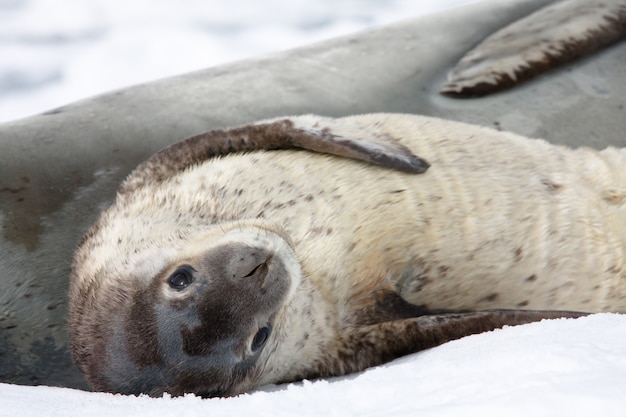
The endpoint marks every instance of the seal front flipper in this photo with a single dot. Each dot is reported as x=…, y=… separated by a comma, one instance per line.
x=273, y=135
x=551, y=36
x=375, y=344
x=364, y=142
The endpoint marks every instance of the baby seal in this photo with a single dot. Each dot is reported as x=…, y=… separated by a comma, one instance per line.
x=216, y=275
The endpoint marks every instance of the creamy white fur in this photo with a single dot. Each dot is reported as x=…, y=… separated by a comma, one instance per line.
x=454, y=232
x=498, y=221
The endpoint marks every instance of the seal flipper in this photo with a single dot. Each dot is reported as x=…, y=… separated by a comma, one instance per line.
x=279, y=134
x=549, y=37
x=375, y=344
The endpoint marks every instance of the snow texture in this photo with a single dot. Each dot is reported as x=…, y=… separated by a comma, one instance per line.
x=562, y=367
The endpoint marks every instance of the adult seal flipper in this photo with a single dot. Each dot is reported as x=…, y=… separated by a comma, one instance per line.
x=382, y=342
x=377, y=148
x=547, y=38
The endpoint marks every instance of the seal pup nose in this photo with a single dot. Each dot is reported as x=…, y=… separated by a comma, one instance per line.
x=259, y=274
x=249, y=266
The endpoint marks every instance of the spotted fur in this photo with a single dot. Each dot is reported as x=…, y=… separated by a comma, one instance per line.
x=342, y=263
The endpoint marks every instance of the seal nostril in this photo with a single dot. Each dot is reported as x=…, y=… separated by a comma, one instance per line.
x=259, y=271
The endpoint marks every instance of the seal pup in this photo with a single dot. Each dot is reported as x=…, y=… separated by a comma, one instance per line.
x=547, y=38
x=219, y=275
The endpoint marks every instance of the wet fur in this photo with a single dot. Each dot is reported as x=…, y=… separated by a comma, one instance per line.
x=359, y=255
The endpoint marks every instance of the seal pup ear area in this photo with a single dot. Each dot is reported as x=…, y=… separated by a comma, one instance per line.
x=280, y=134
x=372, y=345
x=549, y=37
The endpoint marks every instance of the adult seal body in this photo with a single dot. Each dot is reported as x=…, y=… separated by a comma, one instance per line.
x=218, y=275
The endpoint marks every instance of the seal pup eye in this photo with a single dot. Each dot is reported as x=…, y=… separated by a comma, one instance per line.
x=180, y=279
x=261, y=337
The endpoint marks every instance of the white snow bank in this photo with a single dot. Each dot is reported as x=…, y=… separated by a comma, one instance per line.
x=553, y=368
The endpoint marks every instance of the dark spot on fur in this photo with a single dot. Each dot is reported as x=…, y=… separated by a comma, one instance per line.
x=422, y=280
x=12, y=190
x=614, y=197
x=491, y=297
x=302, y=342
x=309, y=197
x=518, y=254
x=531, y=278
x=551, y=186
x=615, y=269
x=522, y=304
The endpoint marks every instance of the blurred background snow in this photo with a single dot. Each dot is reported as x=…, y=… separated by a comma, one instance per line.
x=53, y=52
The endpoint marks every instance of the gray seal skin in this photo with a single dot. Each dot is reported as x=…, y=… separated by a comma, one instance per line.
x=547, y=38
x=60, y=169
x=218, y=275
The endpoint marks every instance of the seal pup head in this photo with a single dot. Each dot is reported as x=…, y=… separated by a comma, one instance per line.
x=171, y=293
x=202, y=320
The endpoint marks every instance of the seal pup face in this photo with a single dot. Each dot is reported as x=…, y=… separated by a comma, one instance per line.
x=172, y=292
x=205, y=323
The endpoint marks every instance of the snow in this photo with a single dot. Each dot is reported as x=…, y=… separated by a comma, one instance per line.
x=562, y=367
x=51, y=55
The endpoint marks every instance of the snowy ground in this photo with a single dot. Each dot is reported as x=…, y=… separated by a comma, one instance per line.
x=51, y=55
x=554, y=368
